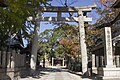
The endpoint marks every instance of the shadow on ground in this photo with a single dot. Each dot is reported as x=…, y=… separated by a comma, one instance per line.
x=40, y=72
x=86, y=75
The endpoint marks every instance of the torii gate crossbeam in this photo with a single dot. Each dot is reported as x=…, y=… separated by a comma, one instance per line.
x=66, y=9
x=65, y=19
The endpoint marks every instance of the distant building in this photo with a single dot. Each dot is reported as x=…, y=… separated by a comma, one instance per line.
x=14, y=43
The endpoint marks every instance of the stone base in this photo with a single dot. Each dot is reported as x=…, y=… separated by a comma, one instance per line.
x=94, y=70
x=110, y=66
x=110, y=73
x=11, y=74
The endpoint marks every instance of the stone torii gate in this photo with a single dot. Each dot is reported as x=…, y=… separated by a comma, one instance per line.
x=81, y=19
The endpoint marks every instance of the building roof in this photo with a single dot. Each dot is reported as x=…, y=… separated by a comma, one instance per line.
x=116, y=4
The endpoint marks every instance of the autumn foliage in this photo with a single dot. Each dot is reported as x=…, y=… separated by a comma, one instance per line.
x=107, y=3
x=72, y=47
x=71, y=41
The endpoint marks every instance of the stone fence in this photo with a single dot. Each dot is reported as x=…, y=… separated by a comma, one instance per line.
x=11, y=65
x=100, y=61
x=117, y=60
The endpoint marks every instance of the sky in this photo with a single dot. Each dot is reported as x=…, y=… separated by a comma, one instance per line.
x=47, y=25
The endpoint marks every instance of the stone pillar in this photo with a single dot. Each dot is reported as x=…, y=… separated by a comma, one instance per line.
x=93, y=60
x=35, y=42
x=102, y=61
x=45, y=57
x=4, y=65
x=110, y=71
x=117, y=60
x=52, y=61
x=63, y=62
x=94, y=68
x=97, y=61
x=108, y=47
x=13, y=59
x=82, y=42
x=8, y=60
x=12, y=72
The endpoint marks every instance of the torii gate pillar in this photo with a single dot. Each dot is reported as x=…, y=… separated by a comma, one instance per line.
x=82, y=42
x=81, y=19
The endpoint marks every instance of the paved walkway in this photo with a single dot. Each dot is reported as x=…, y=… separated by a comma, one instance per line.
x=55, y=73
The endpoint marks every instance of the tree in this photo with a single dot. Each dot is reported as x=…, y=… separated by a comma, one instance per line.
x=70, y=41
x=108, y=17
x=14, y=15
x=60, y=42
x=106, y=3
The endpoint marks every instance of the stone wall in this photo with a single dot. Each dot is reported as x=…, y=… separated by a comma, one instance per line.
x=99, y=66
x=109, y=73
x=12, y=64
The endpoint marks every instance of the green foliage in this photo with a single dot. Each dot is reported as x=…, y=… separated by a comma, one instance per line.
x=14, y=16
x=71, y=40
x=60, y=42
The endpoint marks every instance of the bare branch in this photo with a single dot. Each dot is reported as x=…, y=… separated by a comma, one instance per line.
x=73, y=2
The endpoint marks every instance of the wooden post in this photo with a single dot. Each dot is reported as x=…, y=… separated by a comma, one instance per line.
x=82, y=42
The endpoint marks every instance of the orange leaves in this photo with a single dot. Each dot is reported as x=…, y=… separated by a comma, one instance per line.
x=71, y=45
x=103, y=1
x=70, y=41
x=66, y=42
x=106, y=3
